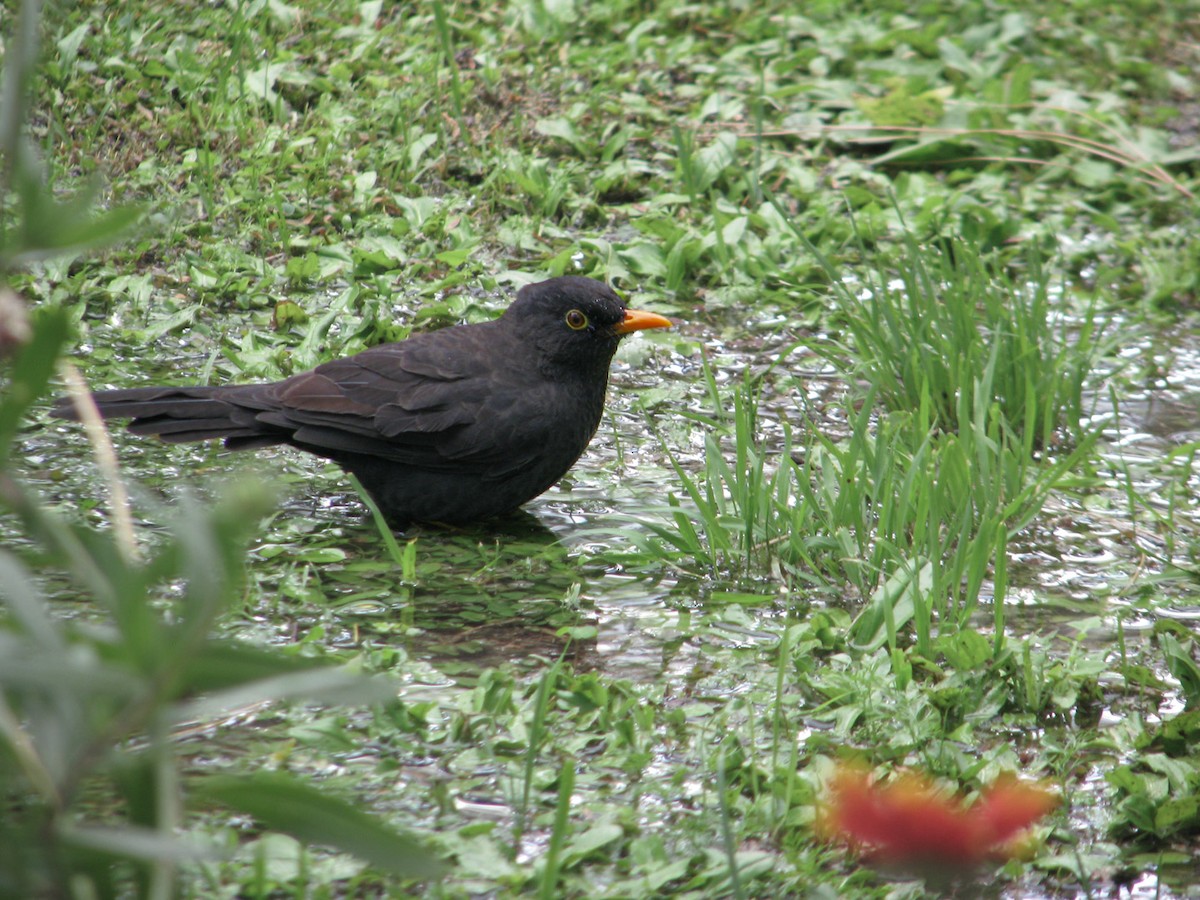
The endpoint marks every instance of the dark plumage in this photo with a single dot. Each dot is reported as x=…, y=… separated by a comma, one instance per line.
x=451, y=426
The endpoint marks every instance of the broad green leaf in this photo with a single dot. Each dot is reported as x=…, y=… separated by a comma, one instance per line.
x=714, y=159
x=559, y=127
x=595, y=838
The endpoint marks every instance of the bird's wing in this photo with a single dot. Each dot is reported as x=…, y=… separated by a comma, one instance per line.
x=423, y=402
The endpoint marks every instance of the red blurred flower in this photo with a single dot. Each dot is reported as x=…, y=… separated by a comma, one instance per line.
x=908, y=821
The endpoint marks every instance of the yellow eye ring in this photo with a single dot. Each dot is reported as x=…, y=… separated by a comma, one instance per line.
x=576, y=320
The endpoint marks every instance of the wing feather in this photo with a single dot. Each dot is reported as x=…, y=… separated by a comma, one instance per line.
x=421, y=402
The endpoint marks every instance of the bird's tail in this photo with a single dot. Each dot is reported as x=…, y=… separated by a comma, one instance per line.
x=179, y=415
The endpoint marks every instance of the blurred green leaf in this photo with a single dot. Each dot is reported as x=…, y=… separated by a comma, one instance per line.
x=27, y=604
x=281, y=803
x=128, y=842
x=49, y=227
x=322, y=684
x=30, y=373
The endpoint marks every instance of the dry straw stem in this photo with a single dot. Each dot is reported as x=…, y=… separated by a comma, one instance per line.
x=1121, y=151
x=106, y=458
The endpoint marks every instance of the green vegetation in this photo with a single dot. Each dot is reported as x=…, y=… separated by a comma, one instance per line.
x=912, y=484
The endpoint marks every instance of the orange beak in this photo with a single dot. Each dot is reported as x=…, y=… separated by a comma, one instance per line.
x=637, y=320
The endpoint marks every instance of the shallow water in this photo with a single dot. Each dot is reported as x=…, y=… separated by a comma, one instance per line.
x=1073, y=562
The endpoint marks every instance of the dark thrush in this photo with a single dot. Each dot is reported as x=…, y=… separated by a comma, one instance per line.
x=451, y=426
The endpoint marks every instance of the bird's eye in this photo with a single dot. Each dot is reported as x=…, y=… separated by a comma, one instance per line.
x=576, y=320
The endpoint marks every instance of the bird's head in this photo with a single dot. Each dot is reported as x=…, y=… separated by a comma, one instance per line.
x=577, y=322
